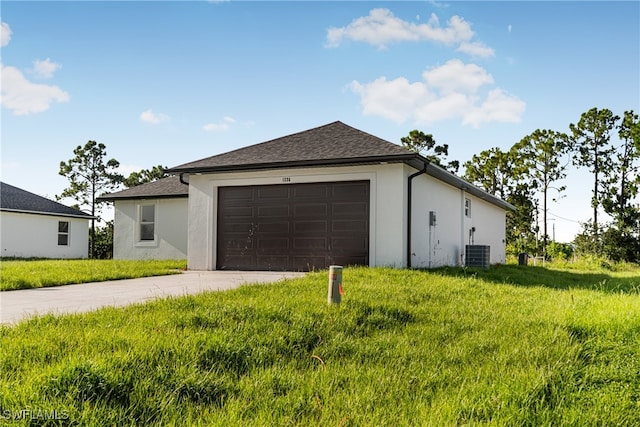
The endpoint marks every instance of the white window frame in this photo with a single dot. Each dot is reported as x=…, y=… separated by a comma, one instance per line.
x=139, y=223
x=467, y=207
x=64, y=233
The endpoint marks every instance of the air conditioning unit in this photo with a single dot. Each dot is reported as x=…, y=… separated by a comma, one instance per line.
x=477, y=256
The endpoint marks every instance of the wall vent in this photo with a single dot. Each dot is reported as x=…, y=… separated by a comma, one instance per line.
x=477, y=255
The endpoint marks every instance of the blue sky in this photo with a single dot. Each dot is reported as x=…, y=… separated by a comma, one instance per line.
x=172, y=82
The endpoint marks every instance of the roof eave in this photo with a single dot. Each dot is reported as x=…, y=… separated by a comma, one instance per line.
x=25, y=211
x=295, y=164
x=108, y=198
x=412, y=159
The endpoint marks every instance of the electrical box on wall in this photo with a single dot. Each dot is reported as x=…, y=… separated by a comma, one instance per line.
x=432, y=218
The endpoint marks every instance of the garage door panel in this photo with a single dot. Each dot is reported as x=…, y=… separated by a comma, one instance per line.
x=240, y=262
x=349, y=208
x=238, y=193
x=302, y=227
x=310, y=210
x=307, y=243
x=349, y=226
x=277, y=211
x=266, y=244
x=273, y=192
x=239, y=212
x=240, y=243
x=239, y=227
x=350, y=190
x=274, y=227
x=338, y=244
x=270, y=262
x=293, y=226
x=313, y=191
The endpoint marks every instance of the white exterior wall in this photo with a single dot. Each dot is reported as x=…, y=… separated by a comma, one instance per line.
x=435, y=246
x=444, y=243
x=387, y=233
x=26, y=235
x=170, y=241
x=490, y=223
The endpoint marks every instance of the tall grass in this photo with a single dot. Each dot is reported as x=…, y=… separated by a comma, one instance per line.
x=404, y=348
x=557, y=276
x=25, y=274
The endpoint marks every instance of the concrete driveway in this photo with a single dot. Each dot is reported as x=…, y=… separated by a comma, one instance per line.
x=22, y=304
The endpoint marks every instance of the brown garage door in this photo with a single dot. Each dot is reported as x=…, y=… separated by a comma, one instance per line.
x=293, y=227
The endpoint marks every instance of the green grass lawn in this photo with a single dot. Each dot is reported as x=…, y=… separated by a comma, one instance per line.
x=508, y=346
x=25, y=274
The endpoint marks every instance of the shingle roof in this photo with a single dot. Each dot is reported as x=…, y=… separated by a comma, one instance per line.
x=14, y=199
x=162, y=188
x=331, y=144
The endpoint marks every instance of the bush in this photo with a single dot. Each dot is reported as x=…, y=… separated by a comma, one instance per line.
x=557, y=251
x=620, y=246
x=103, y=247
x=611, y=243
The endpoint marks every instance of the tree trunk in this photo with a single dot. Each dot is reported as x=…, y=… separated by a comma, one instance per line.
x=92, y=241
x=544, y=220
x=596, y=169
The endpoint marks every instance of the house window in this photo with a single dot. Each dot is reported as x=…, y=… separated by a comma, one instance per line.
x=63, y=233
x=467, y=208
x=147, y=223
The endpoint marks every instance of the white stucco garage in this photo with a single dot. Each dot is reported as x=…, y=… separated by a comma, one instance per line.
x=328, y=195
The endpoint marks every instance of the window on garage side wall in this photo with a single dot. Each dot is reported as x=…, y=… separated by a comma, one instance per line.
x=147, y=223
x=63, y=233
x=467, y=208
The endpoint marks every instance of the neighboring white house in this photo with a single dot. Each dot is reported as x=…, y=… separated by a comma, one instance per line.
x=328, y=195
x=32, y=226
x=150, y=220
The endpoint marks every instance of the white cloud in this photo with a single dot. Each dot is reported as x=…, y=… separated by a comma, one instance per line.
x=45, y=69
x=394, y=100
x=447, y=92
x=476, y=49
x=24, y=97
x=455, y=76
x=150, y=117
x=499, y=106
x=19, y=94
x=457, y=31
x=5, y=34
x=444, y=108
x=381, y=27
x=509, y=27
x=223, y=125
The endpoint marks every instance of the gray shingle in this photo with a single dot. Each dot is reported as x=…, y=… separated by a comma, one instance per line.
x=162, y=188
x=334, y=144
x=331, y=144
x=18, y=200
